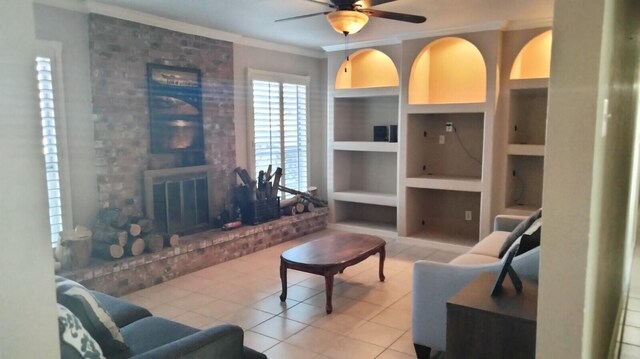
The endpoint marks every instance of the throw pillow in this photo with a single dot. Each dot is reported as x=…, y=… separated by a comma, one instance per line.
x=518, y=231
x=530, y=237
x=94, y=318
x=75, y=341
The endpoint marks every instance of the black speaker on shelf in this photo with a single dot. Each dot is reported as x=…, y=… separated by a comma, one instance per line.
x=380, y=133
x=393, y=133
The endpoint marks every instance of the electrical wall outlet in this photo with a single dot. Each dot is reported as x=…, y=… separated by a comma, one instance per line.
x=441, y=140
x=467, y=215
x=449, y=127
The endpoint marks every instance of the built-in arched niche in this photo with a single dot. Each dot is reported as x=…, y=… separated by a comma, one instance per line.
x=449, y=70
x=367, y=68
x=534, y=60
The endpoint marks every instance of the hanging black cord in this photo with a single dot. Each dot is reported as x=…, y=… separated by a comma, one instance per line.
x=346, y=45
x=455, y=131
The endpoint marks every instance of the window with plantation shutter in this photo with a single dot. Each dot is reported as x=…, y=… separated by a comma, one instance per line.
x=280, y=126
x=51, y=141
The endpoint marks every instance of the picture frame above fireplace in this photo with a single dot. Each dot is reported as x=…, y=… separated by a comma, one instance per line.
x=175, y=109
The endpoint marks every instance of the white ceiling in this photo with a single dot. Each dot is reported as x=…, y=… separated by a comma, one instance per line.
x=255, y=18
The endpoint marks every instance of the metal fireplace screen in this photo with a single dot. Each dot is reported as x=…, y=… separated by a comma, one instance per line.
x=181, y=205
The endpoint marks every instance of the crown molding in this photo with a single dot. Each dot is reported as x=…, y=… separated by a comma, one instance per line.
x=89, y=6
x=528, y=24
x=362, y=44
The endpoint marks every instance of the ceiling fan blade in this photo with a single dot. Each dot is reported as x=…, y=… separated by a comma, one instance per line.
x=416, y=19
x=369, y=3
x=327, y=4
x=303, y=16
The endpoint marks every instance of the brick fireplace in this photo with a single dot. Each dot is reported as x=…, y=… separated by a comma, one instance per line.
x=119, y=53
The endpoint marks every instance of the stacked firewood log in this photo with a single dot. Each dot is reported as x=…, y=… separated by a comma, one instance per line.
x=116, y=235
x=264, y=188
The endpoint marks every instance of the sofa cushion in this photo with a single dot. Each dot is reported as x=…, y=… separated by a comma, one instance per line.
x=151, y=332
x=470, y=258
x=122, y=312
x=94, y=318
x=490, y=245
x=531, y=237
x=75, y=340
x=518, y=231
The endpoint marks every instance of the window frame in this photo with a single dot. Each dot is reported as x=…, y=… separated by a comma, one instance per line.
x=53, y=51
x=281, y=78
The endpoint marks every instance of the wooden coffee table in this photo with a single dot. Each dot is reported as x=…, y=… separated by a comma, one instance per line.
x=329, y=255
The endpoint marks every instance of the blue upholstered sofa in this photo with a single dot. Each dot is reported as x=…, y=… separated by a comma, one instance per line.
x=150, y=337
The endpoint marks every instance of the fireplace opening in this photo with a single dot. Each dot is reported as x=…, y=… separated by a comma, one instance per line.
x=179, y=199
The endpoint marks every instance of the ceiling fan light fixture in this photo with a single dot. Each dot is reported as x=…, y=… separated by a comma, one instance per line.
x=347, y=21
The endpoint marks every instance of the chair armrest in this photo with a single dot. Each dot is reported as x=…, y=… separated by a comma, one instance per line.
x=433, y=284
x=222, y=341
x=507, y=223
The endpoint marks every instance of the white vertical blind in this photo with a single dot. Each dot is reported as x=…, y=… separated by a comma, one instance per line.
x=50, y=145
x=280, y=130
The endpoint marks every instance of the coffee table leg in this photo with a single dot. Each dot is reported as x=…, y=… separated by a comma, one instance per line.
x=328, y=287
x=283, y=278
x=383, y=253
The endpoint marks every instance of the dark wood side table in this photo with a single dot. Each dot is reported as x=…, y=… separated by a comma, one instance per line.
x=481, y=326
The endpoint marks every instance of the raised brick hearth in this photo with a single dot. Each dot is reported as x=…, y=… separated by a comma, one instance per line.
x=195, y=252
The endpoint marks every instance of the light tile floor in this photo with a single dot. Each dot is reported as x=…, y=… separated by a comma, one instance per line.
x=370, y=319
x=630, y=347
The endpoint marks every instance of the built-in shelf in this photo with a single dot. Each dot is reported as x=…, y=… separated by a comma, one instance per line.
x=366, y=227
x=444, y=235
x=382, y=199
x=523, y=84
x=435, y=151
x=367, y=92
x=525, y=150
x=446, y=108
x=452, y=183
x=448, y=70
x=355, y=71
x=521, y=210
x=365, y=217
x=363, y=182
x=534, y=59
x=365, y=146
x=443, y=215
x=524, y=181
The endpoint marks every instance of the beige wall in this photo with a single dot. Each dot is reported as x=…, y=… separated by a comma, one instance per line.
x=245, y=57
x=28, y=324
x=586, y=178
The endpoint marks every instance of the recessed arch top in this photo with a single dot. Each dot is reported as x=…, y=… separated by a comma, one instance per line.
x=534, y=60
x=367, y=68
x=448, y=70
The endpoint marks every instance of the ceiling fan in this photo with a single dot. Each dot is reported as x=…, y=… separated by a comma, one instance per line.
x=350, y=16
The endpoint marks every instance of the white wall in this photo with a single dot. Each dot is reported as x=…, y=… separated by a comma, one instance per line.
x=28, y=321
x=71, y=30
x=245, y=57
x=586, y=176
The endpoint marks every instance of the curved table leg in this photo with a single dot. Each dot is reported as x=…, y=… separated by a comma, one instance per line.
x=328, y=286
x=283, y=278
x=382, y=256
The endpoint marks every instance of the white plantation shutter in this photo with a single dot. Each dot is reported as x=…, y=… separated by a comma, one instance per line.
x=295, y=136
x=50, y=145
x=280, y=128
x=266, y=125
